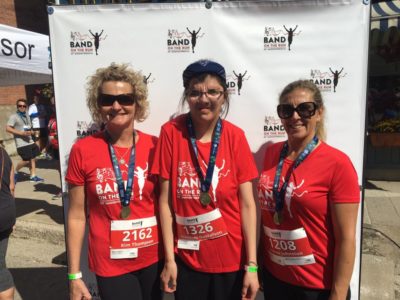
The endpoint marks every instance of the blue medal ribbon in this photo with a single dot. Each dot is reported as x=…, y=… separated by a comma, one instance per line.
x=205, y=183
x=124, y=194
x=279, y=195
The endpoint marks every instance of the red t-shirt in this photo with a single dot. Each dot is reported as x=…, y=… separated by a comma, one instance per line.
x=325, y=176
x=90, y=165
x=174, y=160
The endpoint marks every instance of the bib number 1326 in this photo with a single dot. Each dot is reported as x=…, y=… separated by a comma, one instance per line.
x=198, y=229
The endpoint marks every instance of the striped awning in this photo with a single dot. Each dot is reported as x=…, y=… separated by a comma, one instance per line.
x=385, y=15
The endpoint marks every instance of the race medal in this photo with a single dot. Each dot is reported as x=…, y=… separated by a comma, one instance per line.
x=278, y=218
x=125, y=212
x=205, y=198
x=122, y=161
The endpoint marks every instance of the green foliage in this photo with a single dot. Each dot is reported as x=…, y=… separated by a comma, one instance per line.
x=389, y=125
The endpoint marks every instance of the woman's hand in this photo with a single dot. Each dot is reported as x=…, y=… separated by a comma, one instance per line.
x=168, y=277
x=78, y=290
x=250, y=285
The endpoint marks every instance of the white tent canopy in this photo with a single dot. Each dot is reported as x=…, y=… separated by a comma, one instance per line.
x=24, y=57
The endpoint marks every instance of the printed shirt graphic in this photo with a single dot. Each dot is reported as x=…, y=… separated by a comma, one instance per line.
x=175, y=161
x=90, y=165
x=327, y=175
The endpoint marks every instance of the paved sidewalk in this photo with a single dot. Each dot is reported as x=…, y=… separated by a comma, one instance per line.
x=40, y=217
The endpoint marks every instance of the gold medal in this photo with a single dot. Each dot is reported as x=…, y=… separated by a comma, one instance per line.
x=205, y=198
x=278, y=218
x=125, y=212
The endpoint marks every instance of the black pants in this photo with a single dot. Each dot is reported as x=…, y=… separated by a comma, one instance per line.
x=6, y=279
x=275, y=289
x=143, y=284
x=194, y=285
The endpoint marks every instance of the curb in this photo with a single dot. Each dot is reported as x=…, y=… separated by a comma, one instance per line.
x=45, y=232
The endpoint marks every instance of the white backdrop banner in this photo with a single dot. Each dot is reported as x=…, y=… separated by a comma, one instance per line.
x=262, y=45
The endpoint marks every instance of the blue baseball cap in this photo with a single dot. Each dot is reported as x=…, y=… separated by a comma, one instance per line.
x=201, y=67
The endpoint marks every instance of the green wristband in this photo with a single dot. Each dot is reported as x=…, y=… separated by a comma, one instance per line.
x=251, y=269
x=73, y=276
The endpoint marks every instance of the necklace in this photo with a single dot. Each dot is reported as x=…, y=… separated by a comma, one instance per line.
x=121, y=157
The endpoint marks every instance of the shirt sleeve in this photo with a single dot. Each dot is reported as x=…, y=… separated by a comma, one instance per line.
x=344, y=185
x=11, y=121
x=75, y=173
x=163, y=155
x=246, y=166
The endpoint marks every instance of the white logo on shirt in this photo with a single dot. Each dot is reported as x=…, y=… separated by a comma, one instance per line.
x=216, y=176
x=290, y=192
x=141, y=178
x=188, y=183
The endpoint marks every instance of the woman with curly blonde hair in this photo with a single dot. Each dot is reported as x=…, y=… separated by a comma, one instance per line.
x=111, y=188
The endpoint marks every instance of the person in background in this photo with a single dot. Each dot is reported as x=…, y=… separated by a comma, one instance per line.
x=38, y=115
x=309, y=199
x=7, y=222
x=110, y=186
x=19, y=125
x=53, y=144
x=34, y=116
x=207, y=209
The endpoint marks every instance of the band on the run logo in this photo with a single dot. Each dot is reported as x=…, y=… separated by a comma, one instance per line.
x=184, y=40
x=280, y=38
x=86, y=43
x=273, y=127
x=327, y=81
x=84, y=128
x=235, y=81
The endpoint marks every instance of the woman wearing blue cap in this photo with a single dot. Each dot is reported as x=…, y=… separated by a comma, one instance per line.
x=207, y=209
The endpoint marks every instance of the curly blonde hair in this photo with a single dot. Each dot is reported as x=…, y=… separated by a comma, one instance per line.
x=117, y=72
x=308, y=85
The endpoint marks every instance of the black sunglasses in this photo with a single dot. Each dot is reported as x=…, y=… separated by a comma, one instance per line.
x=21, y=105
x=304, y=110
x=122, y=99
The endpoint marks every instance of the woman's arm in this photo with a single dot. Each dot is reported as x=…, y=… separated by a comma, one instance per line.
x=249, y=227
x=344, y=219
x=169, y=273
x=12, y=182
x=75, y=234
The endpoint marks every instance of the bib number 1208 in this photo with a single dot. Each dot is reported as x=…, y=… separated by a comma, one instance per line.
x=282, y=245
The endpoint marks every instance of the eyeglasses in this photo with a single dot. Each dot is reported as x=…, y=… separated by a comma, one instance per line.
x=210, y=94
x=304, y=110
x=21, y=106
x=122, y=99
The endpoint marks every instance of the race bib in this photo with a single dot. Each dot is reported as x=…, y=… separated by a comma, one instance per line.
x=288, y=247
x=207, y=226
x=129, y=235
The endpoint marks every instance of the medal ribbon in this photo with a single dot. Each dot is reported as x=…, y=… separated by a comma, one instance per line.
x=124, y=195
x=205, y=183
x=280, y=194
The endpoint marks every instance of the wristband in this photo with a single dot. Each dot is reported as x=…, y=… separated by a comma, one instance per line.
x=73, y=276
x=251, y=269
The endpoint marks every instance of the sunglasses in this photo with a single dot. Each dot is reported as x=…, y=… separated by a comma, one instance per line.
x=305, y=110
x=122, y=99
x=21, y=106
